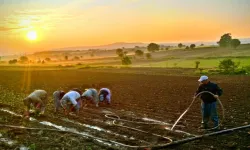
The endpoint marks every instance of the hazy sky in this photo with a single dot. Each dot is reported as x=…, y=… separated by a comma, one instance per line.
x=66, y=23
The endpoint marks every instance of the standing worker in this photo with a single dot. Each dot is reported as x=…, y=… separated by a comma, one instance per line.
x=209, y=102
x=58, y=95
x=92, y=95
x=105, y=95
x=38, y=99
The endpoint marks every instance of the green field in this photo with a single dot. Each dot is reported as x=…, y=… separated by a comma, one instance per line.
x=190, y=63
x=209, y=57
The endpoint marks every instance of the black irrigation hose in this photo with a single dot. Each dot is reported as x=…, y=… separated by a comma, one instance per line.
x=199, y=137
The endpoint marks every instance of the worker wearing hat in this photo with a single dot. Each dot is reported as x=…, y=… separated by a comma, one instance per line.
x=208, y=105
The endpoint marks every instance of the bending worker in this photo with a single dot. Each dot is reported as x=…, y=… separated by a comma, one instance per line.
x=58, y=95
x=208, y=106
x=92, y=95
x=71, y=101
x=38, y=99
x=105, y=95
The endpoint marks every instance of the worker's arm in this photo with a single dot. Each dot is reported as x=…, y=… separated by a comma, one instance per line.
x=26, y=102
x=77, y=107
x=219, y=91
x=198, y=90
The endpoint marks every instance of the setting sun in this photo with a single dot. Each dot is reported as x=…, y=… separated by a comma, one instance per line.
x=31, y=35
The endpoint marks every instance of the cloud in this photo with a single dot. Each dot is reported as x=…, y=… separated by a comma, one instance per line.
x=8, y=28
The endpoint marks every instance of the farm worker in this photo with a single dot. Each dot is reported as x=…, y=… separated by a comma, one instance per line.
x=208, y=105
x=91, y=94
x=58, y=95
x=71, y=101
x=104, y=95
x=38, y=99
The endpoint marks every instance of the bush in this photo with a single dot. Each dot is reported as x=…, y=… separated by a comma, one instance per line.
x=197, y=63
x=126, y=60
x=139, y=53
x=152, y=47
x=119, y=51
x=235, y=43
x=228, y=66
x=14, y=61
x=180, y=45
x=24, y=59
x=47, y=59
x=192, y=46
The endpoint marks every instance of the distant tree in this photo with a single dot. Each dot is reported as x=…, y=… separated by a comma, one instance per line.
x=126, y=60
x=192, y=46
x=136, y=47
x=225, y=40
x=76, y=58
x=121, y=55
x=228, y=66
x=47, y=59
x=235, y=43
x=149, y=56
x=152, y=47
x=66, y=57
x=14, y=61
x=24, y=59
x=125, y=53
x=167, y=48
x=139, y=53
x=119, y=51
x=202, y=44
x=43, y=62
x=187, y=47
x=92, y=54
x=197, y=63
x=180, y=45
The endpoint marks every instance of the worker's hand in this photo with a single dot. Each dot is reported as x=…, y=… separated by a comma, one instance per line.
x=216, y=96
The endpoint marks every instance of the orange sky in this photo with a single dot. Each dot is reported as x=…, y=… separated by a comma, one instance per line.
x=64, y=23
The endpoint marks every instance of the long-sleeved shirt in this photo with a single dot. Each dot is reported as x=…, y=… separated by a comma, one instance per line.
x=91, y=94
x=71, y=97
x=107, y=94
x=36, y=97
x=211, y=87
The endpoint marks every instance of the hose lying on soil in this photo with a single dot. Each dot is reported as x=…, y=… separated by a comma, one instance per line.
x=116, y=117
x=151, y=146
x=27, y=128
x=199, y=137
x=223, y=111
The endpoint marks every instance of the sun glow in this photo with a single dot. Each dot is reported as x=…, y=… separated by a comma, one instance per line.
x=32, y=35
